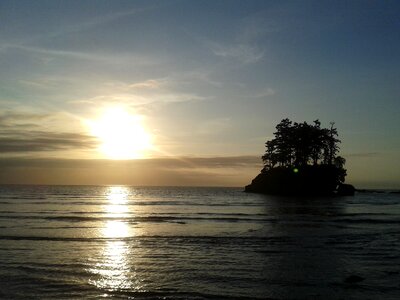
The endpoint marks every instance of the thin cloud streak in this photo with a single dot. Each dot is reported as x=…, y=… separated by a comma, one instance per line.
x=82, y=26
x=244, y=53
x=100, y=20
x=36, y=141
x=24, y=132
x=112, y=59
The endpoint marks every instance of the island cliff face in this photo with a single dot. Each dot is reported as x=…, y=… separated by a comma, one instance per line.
x=302, y=160
x=302, y=181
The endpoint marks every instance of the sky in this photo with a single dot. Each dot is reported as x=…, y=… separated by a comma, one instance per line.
x=187, y=92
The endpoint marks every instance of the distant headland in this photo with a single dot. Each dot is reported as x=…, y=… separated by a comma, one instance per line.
x=302, y=159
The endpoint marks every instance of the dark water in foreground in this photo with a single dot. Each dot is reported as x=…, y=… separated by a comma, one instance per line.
x=195, y=243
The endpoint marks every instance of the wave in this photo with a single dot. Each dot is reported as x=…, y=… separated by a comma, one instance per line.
x=161, y=200
x=367, y=221
x=177, y=238
x=137, y=219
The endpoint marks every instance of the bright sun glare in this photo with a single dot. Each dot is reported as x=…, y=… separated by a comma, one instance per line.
x=121, y=134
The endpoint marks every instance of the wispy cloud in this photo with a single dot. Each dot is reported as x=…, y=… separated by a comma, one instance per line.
x=22, y=132
x=244, y=53
x=266, y=92
x=88, y=23
x=37, y=141
x=256, y=26
x=106, y=58
x=96, y=21
x=12, y=118
x=147, y=84
x=136, y=100
x=149, y=92
x=195, y=76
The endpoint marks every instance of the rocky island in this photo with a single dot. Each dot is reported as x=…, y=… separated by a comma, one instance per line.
x=302, y=160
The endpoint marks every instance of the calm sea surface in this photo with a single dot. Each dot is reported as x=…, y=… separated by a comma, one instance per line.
x=77, y=242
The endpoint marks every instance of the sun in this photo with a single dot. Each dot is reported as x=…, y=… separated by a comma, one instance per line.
x=121, y=134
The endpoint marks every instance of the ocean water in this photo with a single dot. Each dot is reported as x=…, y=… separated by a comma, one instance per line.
x=117, y=242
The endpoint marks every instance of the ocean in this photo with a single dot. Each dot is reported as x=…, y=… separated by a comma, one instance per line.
x=121, y=242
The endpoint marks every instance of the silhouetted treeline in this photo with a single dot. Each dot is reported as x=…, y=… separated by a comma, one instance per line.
x=300, y=144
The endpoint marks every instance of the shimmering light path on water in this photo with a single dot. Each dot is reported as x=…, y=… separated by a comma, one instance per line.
x=63, y=242
x=113, y=270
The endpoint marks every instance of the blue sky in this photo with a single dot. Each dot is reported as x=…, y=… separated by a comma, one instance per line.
x=208, y=79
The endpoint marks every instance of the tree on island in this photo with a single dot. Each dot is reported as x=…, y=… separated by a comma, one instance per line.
x=301, y=159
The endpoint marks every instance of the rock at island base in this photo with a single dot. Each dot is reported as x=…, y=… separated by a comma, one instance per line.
x=320, y=180
x=345, y=190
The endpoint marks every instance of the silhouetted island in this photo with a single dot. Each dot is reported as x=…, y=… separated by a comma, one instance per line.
x=302, y=160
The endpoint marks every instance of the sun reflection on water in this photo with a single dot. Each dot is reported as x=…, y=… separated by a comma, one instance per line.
x=115, y=229
x=117, y=195
x=114, y=268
